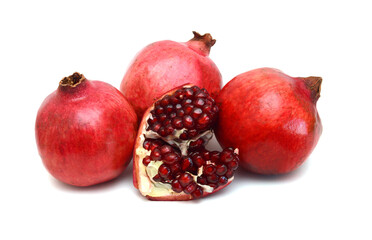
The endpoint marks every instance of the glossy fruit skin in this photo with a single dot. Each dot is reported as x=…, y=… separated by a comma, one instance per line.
x=85, y=135
x=164, y=65
x=272, y=119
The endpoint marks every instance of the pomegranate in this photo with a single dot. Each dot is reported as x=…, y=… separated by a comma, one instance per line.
x=85, y=131
x=271, y=117
x=170, y=158
x=164, y=65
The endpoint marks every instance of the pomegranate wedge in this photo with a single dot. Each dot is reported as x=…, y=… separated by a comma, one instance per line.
x=170, y=158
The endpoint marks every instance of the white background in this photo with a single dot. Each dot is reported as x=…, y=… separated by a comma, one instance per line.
x=329, y=197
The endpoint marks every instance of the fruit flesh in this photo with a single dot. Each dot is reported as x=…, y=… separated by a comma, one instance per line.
x=272, y=119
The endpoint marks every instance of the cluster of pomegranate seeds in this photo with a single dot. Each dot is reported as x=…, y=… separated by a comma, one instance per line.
x=189, y=108
x=179, y=171
x=183, y=121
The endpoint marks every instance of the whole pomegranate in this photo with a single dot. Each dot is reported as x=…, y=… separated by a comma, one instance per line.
x=85, y=131
x=170, y=160
x=164, y=65
x=271, y=117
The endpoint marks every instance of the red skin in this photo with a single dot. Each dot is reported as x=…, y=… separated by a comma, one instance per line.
x=272, y=119
x=136, y=161
x=164, y=65
x=85, y=135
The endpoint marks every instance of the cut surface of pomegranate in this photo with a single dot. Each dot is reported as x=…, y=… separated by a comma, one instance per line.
x=170, y=158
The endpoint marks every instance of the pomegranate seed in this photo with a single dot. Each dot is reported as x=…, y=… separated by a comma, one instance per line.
x=165, y=101
x=180, y=113
x=162, y=117
x=195, y=89
x=159, y=110
x=176, y=186
x=221, y=169
x=186, y=163
x=172, y=115
x=177, y=123
x=169, y=129
x=188, y=122
x=188, y=109
x=226, y=155
x=209, y=169
x=215, y=156
x=222, y=180
x=202, y=180
x=196, y=112
x=171, y=158
x=204, y=119
x=198, y=193
x=152, y=121
x=215, y=109
x=146, y=161
x=162, y=132
x=175, y=168
x=199, y=102
x=194, y=170
x=200, y=94
x=212, y=178
x=155, y=144
x=205, y=154
x=183, y=136
x=169, y=108
x=197, y=143
x=185, y=179
x=156, y=154
x=174, y=100
x=198, y=160
x=165, y=149
x=164, y=171
x=188, y=92
x=208, y=101
x=157, y=104
x=207, y=109
x=186, y=102
x=190, y=188
x=166, y=122
x=157, y=178
x=229, y=173
x=192, y=133
x=179, y=94
x=156, y=127
x=146, y=145
x=233, y=165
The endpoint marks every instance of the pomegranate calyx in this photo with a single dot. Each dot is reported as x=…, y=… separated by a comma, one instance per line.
x=201, y=43
x=314, y=84
x=72, y=81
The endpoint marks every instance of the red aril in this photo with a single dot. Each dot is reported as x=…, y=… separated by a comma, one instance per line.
x=271, y=117
x=164, y=65
x=85, y=131
x=170, y=158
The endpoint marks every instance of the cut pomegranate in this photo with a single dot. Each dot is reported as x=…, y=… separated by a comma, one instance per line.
x=170, y=158
x=164, y=65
